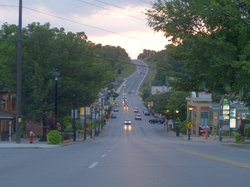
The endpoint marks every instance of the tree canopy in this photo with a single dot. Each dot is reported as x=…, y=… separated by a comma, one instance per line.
x=45, y=49
x=211, y=39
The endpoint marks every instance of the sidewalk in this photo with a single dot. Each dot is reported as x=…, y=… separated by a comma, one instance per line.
x=225, y=139
x=25, y=142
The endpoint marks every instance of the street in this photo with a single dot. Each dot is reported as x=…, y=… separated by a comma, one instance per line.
x=142, y=154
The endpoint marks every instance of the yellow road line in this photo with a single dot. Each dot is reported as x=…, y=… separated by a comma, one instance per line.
x=217, y=158
x=160, y=144
x=133, y=82
x=138, y=135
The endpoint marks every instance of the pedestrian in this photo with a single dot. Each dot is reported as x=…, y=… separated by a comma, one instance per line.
x=164, y=124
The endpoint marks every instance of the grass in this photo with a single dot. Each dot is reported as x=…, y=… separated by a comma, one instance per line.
x=243, y=142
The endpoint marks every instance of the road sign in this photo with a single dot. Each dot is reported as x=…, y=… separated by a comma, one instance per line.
x=123, y=91
x=121, y=103
x=190, y=125
x=133, y=90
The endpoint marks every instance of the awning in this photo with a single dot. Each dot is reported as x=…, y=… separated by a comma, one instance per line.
x=5, y=115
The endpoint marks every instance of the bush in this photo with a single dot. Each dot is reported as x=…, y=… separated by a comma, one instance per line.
x=54, y=137
x=237, y=137
x=247, y=128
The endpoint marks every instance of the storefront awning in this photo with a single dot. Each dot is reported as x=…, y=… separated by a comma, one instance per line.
x=5, y=115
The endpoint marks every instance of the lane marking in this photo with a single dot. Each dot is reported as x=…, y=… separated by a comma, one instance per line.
x=160, y=144
x=138, y=135
x=93, y=165
x=109, y=150
x=133, y=81
x=217, y=158
x=103, y=155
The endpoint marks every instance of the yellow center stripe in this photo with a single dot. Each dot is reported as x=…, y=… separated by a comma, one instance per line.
x=138, y=135
x=160, y=144
x=217, y=158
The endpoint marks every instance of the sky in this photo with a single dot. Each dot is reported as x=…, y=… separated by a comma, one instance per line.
x=109, y=22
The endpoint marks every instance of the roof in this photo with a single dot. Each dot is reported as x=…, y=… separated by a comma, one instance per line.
x=5, y=115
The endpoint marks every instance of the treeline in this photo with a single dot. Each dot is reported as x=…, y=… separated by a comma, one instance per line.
x=45, y=49
x=164, y=64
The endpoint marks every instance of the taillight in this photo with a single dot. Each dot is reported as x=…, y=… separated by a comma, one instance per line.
x=161, y=120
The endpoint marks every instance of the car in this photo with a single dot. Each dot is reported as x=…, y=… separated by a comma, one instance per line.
x=136, y=109
x=127, y=121
x=138, y=116
x=115, y=109
x=157, y=120
x=144, y=73
x=141, y=72
x=124, y=97
x=116, y=105
x=129, y=92
x=144, y=109
x=113, y=116
x=123, y=94
x=141, y=76
x=125, y=103
x=147, y=113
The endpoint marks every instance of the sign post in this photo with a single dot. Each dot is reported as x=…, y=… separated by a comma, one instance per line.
x=189, y=125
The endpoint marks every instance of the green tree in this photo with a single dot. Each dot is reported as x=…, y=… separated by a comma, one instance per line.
x=212, y=41
x=79, y=70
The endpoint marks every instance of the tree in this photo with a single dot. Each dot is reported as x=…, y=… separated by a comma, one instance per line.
x=79, y=70
x=212, y=41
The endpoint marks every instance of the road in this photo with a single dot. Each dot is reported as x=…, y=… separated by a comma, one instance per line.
x=143, y=155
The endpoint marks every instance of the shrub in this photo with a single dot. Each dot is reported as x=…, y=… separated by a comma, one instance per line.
x=54, y=137
x=247, y=128
x=237, y=137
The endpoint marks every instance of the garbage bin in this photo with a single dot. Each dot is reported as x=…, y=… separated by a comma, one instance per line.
x=177, y=133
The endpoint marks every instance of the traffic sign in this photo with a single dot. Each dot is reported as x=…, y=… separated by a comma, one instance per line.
x=133, y=90
x=123, y=91
x=121, y=103
x=190, y=125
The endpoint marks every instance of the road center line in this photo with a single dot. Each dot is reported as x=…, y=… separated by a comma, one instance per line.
x=138, y=135
x=93, y=165
x=217, y=158
x=103, y=155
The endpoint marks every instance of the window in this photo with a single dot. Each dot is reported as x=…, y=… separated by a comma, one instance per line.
x=13, y=102
x=194, y=115
x=204, y=118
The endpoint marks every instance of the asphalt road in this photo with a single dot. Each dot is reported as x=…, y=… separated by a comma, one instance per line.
x=142, y=155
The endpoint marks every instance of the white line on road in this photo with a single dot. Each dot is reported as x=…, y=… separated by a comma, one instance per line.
x=109, y=150
x=104, y=155
x=93, y=165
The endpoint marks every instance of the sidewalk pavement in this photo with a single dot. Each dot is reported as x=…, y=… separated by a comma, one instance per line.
x=25, y=142
x=226, y=140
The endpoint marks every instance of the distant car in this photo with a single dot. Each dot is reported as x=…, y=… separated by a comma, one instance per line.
x=157, y=120
x=141, y=76
x=116, y=105
x=125, y=103
x=129, y=92
x=144, y=73
x=147, y=113
x=113, y=116
x=115, y=109
x=138, y=117
x=141, y=72
x=127, y=121
x=144, y=109
x=124, y=94
x=136, y=109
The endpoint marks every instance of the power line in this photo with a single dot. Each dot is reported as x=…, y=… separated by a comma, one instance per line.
x=102, y=58
x=65, y=19
x=110, y=10
x=118, y=6
x=144, y=1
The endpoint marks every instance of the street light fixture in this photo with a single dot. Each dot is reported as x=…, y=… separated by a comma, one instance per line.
x=190, y=110
x=177, y=130
x=56, y=76
x=74, y=121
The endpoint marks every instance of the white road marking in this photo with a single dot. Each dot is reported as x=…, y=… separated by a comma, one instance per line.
x=93, y=165
x=109, y=150
x=104, y=155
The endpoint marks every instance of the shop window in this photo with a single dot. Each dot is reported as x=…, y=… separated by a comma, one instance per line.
x=204, y=118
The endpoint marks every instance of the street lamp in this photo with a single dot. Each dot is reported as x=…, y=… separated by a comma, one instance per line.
x=56, y=76
x=177, y=130
x=190, y=110
x=74, y=121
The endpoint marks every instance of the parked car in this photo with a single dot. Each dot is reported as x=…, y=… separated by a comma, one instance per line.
x=157, y=120
x=136, y=110
x=113, y=116
x=127, y=121
x=138, y=117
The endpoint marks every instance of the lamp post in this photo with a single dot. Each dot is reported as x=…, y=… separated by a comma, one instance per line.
x=74, y=120
x=56, y=76
x=190, y=113
x=177, y=130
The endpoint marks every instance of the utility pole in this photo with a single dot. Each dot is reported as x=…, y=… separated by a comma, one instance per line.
x=85, y=116
x=19, y=71
x=221, y=116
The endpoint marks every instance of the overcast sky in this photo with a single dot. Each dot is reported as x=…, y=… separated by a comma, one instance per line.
x=109, y=22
